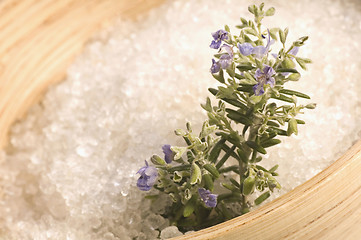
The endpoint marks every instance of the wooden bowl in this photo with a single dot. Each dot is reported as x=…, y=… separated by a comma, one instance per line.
x=38, y=41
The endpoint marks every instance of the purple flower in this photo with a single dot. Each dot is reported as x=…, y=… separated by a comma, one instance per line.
x=209, y=199
x=218, y=37
x=263, y=77
x=224, y=61
x=260, y=51
x=228, y=49
x=215, y=67
x=148, y=176
x=245, y=48
x=168, y=153
x=294, y=51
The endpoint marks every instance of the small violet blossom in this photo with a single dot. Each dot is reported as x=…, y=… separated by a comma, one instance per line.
x=294, y=51
x=263, y=77
x=224, y=61
x=218, y=37
x=215, y=67
x=168, y=153
x=148, y=176
x=247, y=49
x=209, y=199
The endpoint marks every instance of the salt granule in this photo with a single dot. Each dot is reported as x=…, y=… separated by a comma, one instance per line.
x=70, y=172
x=170, y=232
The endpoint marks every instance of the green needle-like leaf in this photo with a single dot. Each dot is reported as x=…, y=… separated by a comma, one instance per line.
x=256, y=147
x=262, y=198
x=292, y=92
x=211, y=169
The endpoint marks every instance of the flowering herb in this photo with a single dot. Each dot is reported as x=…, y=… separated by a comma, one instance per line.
x=212, y=178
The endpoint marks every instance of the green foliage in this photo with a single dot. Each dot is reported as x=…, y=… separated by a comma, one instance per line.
x=240, y=126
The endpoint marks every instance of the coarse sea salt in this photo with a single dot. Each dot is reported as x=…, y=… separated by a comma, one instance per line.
x=70, y=171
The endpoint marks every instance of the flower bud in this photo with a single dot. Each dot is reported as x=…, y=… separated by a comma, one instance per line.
x=156, y=160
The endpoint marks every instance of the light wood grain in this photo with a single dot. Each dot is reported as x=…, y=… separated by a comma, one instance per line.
x=40, y=38
x=326, y=207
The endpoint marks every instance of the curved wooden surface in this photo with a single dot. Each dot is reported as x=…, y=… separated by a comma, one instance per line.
x=38, y=41
x=40, y=38
x=326, y=207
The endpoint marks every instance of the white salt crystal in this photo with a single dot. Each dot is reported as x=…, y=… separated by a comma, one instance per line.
x=170, y=232
x=84, y=151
